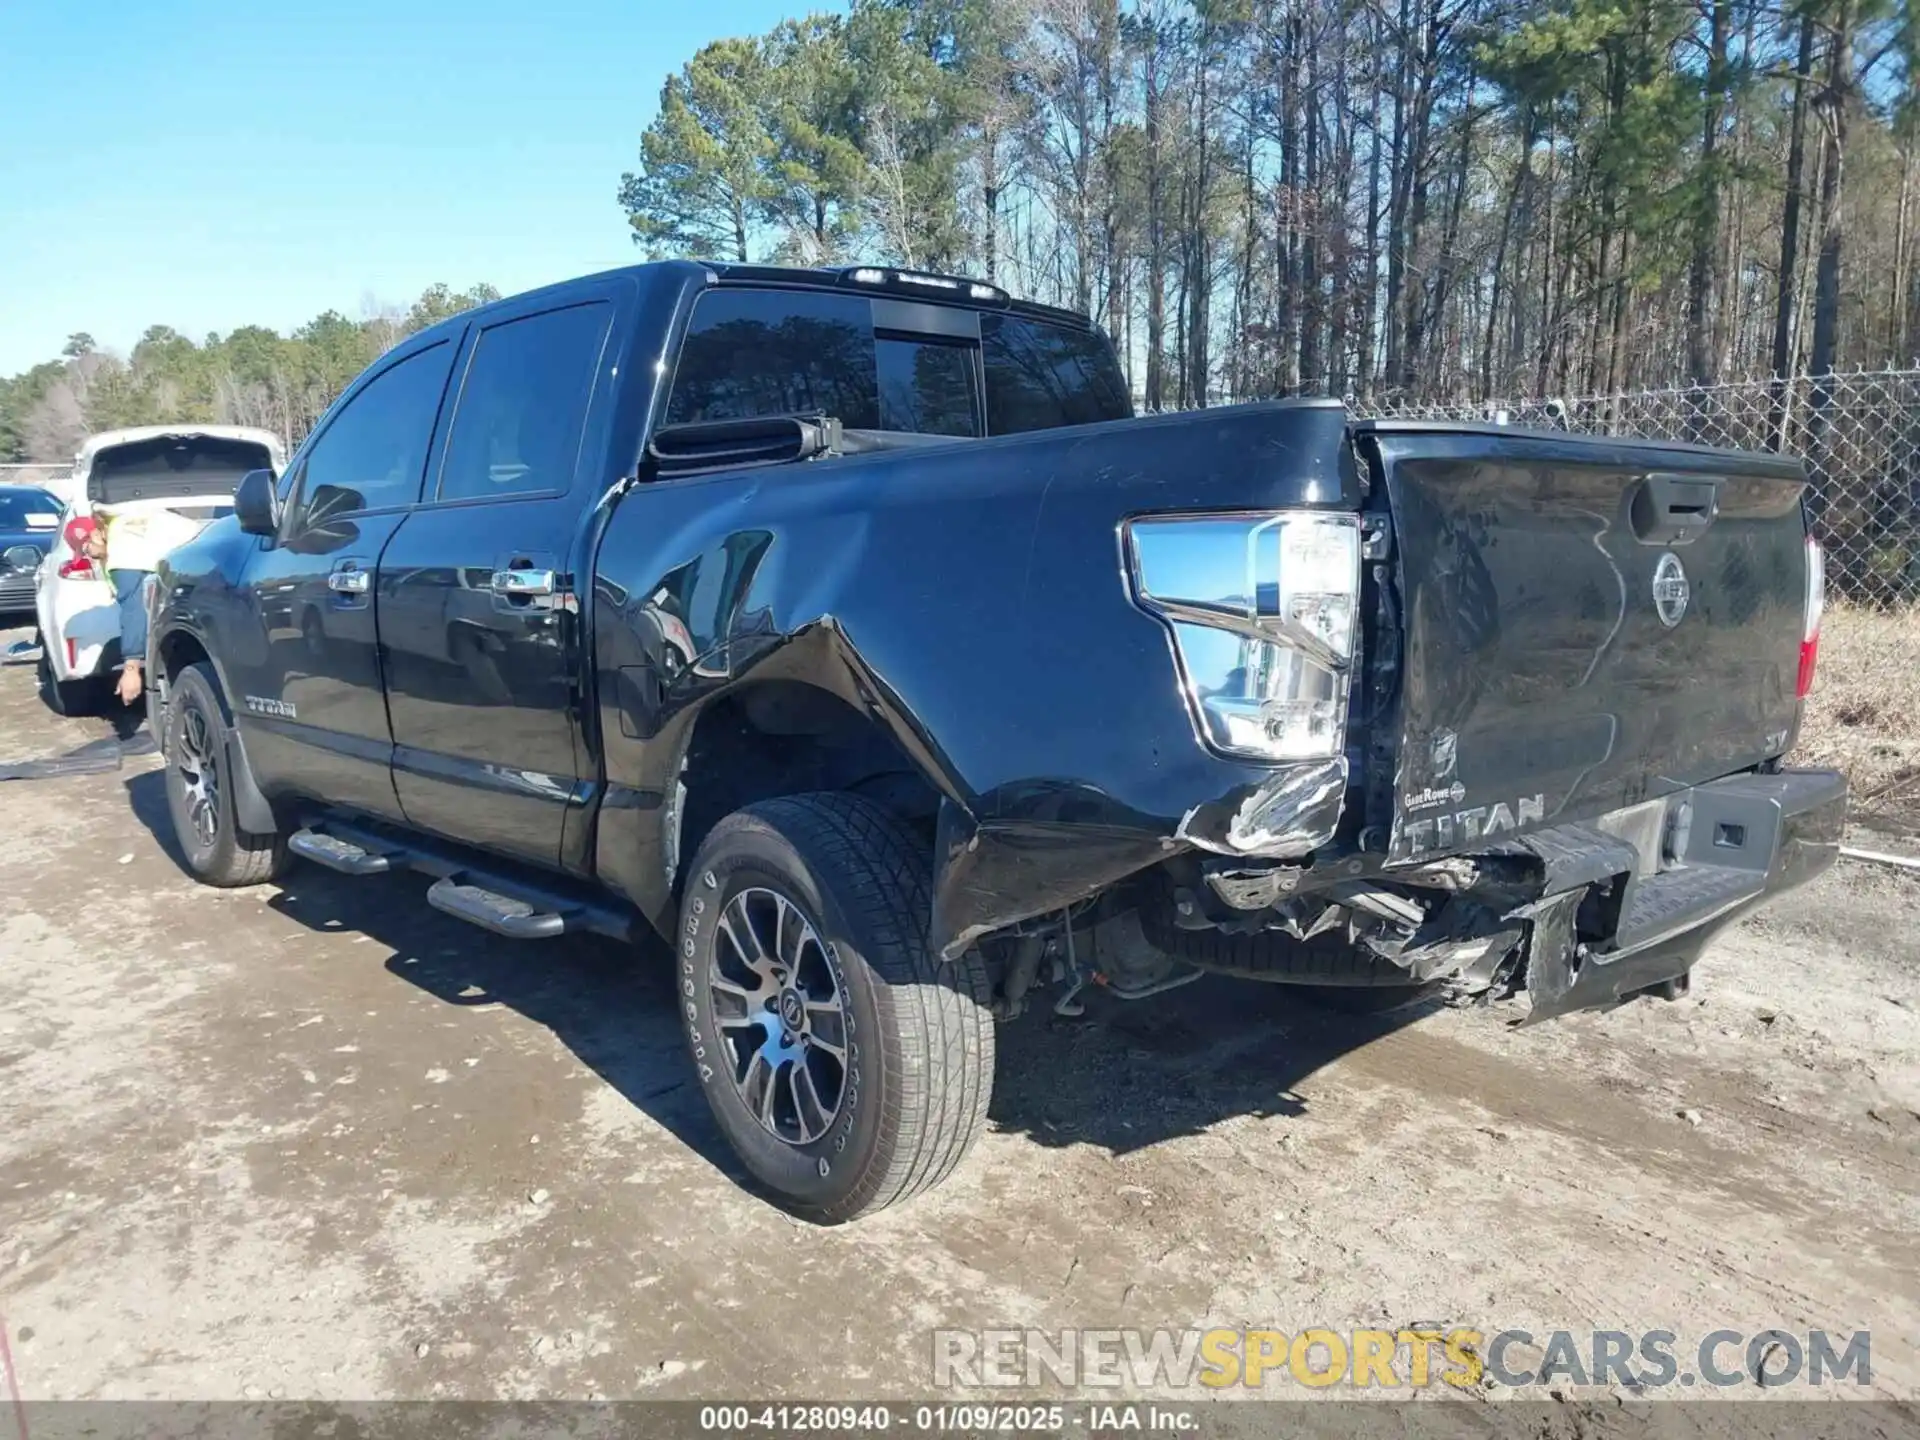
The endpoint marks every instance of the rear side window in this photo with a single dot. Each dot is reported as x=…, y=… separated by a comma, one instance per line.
x=1040, y=376
x=927, y=388
x=750, y=353
x=523, y=406
x=374, y=452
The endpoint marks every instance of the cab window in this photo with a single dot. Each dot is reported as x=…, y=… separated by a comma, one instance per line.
x=522, y=411
x=750, y=353
x=373, y=454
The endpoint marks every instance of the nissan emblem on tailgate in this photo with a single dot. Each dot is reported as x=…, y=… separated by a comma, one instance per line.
x=1670, y=589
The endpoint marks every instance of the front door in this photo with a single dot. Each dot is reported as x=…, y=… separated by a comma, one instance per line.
x=306, y=690
x=478, y=618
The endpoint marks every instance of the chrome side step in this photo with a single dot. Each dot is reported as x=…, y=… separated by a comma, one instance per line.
x=506, y=905
x=507, y=915
x=360, y=855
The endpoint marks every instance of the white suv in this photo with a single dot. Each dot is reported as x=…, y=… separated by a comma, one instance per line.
x=188, y=469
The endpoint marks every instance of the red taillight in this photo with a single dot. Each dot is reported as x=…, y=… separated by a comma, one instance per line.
x=73, y=654
x=76, y=566
x=1816, y=603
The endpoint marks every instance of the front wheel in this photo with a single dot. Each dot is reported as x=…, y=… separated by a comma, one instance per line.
x=200, y=789
x=847, y=1066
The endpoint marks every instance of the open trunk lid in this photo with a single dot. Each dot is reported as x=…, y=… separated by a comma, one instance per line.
x=186, y=466
x=1584, y=623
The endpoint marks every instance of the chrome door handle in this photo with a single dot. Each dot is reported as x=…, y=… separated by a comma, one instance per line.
x=350, y=582
x=523, y=582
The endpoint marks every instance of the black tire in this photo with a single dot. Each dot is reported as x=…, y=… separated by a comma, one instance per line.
x=72, y=698
x=1325, y=960
x=200, y=789
x=918, y=1036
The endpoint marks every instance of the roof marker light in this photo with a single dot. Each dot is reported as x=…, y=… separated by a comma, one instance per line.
x=869, y=277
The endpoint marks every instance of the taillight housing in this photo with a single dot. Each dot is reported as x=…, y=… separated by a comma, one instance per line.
x=76, y=566
x=1816, y=606
x=1263, y=610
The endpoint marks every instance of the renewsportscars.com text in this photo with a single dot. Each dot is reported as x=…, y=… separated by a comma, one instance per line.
x=1414, y=1358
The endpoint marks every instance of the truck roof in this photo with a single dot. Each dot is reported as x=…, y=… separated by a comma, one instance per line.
x=929, y=287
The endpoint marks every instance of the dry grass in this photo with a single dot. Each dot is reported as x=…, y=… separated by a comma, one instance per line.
x=1864, y=713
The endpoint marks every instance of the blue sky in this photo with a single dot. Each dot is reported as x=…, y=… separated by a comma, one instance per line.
x=207, y=164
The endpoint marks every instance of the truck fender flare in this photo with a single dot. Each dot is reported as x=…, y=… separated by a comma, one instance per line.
x=250, y=807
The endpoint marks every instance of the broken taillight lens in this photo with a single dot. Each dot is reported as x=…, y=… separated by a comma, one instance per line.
x=1263, y=609
x=1816, y=605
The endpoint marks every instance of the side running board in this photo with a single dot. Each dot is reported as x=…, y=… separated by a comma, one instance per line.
x=346, y=856
x=507, y=915
x=509, y=906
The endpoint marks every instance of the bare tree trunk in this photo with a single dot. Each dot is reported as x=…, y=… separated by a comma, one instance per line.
x=1199, y=279
x=1788, y=278
x=1309, y=200
x=1156, y=234
x=1368, y=301
x=1521, y=176
x=1399, y=189
x=1701, y=279
x=1834, y=106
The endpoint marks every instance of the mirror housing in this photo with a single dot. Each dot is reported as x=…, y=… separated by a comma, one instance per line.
x=256, y=503
x=22, y=557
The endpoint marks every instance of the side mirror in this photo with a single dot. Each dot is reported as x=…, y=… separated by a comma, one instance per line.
x=21, y=557
x=256, y=504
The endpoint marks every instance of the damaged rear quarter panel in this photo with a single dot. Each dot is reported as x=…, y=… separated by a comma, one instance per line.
x=970, y=599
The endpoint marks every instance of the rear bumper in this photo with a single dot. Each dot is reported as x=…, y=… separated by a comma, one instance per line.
x=81, y=626
x=1737, y=842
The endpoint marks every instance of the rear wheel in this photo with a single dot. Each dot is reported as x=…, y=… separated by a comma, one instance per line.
x=847, y=1066
x=200, y=789
x=86, y=696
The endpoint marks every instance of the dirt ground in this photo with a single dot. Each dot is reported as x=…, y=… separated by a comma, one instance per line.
x=317, y=1141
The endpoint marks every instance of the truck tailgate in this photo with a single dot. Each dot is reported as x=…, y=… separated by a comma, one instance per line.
x=1584, y=623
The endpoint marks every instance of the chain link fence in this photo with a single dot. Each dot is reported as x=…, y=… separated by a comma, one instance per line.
x=1858, y=431
x=45, y=477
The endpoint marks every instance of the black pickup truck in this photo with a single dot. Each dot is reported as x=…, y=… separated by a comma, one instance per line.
x=847, y=630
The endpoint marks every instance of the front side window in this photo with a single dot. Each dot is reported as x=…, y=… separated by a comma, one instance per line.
x=373, y=453
x=522, y=411
x=751, y=353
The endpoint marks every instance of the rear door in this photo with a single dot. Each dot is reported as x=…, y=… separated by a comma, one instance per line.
x=479, y=619
x=1585, y=623
x=305, y=678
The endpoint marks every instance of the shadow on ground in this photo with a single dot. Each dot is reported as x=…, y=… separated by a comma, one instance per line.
x=1123, y=1077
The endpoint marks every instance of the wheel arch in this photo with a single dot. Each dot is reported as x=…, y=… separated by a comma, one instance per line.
x=776, y=737
x=175, y=650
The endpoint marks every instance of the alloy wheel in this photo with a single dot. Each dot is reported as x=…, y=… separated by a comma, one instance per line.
x=780, y=1010
x=199, y=779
